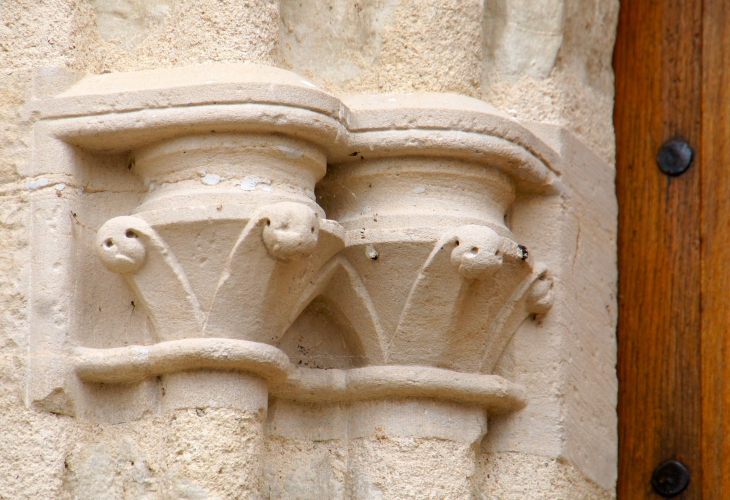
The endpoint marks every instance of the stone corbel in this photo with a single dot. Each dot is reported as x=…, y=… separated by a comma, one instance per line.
x=415, y=253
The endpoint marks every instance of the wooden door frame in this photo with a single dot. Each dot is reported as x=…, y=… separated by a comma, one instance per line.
x=674, y=244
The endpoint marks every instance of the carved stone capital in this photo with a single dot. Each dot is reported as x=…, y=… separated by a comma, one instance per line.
x=248, y=237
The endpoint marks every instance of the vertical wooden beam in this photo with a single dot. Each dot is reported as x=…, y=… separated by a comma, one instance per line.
x=715, y=168
x=658, y=96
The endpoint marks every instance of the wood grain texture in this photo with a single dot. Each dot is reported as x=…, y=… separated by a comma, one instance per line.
x=658, y=96
x=715, y=173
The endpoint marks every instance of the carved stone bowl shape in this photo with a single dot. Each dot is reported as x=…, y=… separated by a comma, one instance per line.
x=274, y=266
x=428, y=237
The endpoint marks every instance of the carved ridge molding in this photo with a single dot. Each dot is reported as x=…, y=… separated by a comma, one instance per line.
x=135, y=363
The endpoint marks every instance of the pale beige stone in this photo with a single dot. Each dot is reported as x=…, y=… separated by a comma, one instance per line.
x=214, y=453
x=67, y=169
x=386, y=45
x=406, y=467
x=285, y=254
x=303, y=469
x=516, y=476
x=522, y=37
x=129, y=22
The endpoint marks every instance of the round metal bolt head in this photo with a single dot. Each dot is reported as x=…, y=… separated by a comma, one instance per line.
x=674, y=157
x=670, y=478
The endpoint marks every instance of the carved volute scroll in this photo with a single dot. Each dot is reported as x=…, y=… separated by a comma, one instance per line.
x=407, y=244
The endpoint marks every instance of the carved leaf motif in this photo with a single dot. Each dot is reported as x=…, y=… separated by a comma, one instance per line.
x=285, y=257
x=131, y=247
x=339, y=283
x=436, y=299
x=277, y=255
x=438, y=327
x=533, y=296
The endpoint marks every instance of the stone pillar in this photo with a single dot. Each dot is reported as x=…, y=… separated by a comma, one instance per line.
x=214, y=439
x=413, y=448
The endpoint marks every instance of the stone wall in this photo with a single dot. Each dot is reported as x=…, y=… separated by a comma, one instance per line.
x=545, y=63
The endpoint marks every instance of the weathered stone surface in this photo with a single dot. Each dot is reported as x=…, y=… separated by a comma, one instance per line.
x=63, y=179
x=513, y=476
